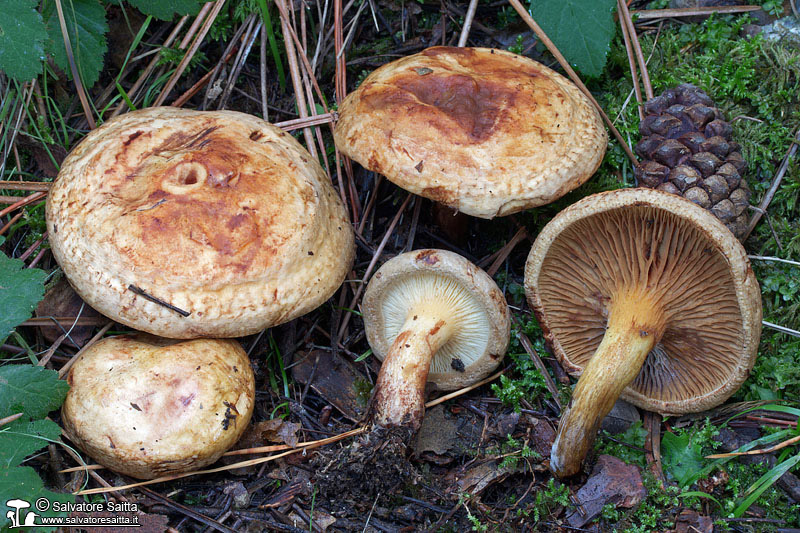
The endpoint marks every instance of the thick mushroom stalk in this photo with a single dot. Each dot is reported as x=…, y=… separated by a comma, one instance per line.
x=400, y=389
x=635, y=325
x=431, y=316
x=645, y=296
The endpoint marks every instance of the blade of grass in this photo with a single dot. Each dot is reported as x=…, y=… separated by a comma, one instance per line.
x=87, y=110
x=763, y=483
x=273, y=43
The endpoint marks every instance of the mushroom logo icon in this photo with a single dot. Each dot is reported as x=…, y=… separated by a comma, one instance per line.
x=13, y=516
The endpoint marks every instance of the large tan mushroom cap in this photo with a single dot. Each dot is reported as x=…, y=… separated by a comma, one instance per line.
x=219, y=214
x=692, y=266
x=147, y=407
x=484, y=131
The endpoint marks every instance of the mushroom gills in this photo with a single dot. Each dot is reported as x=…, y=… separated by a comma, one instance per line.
x=635, y=325
x=434, y=320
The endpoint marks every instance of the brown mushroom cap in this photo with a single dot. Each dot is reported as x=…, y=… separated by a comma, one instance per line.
x=484, y=131
x=148, y=407
x=432, y=316
x=219, y=214
x=695, y=268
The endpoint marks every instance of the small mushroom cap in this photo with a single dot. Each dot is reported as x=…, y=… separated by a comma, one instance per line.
x=219, y=214
x=482, y=321
x=147, y=407
x=484, y=131
x=688, y=260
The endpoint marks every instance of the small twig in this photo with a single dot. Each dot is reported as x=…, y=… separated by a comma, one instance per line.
x=64, y=321
x=314, y=120
x=652, y=446
x=372, y=263
x=64, y=369
x=649, y=14
x=202, y=82
x=782, y=329
x=505, y=251
x=465, y=390
x=9, y=419
x=189, y=53
x=132, y=92
x=233, y=466
x=625, y=15
x=537, y=362
x=776, y=182
x=771, y=449
x=76, y=78
x=22, y=203
x=632, y=64
x=187, y=511
x=262, y=63
x=142, y=293
x=10, y=223
x=40, y=186
x=473, y=6
x=294, y=71
x=571, y=73
x=776, y=259
x=32, y=248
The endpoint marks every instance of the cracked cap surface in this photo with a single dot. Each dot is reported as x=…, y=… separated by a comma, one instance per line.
x=484, y=131
x=219, y=214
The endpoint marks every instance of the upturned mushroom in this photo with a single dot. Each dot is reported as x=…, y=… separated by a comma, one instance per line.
x=646, y=296
x=483, y=131
x=147, y=407
x=191, y=224
x=430, y=316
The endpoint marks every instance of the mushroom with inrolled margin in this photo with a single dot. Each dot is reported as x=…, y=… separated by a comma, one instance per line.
x=430, y=316
x=483, y=131
x=646, y=296
x=192, y=224
x=148, y=407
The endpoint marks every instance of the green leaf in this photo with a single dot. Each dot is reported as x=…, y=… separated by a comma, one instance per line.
x=581, y=29
x=32, y=390
x=167, y=10
x=87, y=28
x=22, y=36
x=681, y=457
x=20, y=290
x=21, y=438
x=22, y=483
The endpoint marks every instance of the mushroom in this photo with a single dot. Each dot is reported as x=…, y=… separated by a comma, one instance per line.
x=191, y=224
x=644, y=295
x=147, y=407
x=484, y=131
x=430, y=316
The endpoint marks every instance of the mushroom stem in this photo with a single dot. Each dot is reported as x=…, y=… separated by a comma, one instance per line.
x=634, y=327
x=399, y=398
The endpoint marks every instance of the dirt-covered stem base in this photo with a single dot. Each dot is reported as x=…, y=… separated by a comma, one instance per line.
x=399, y=398
x=635, y=325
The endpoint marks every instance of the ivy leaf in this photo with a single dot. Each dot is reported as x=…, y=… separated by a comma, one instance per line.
x=681, y=457
x=22, y=483
x=21, y=438
x=167, y=10
x=22, y=36
x=29, y=389
x=87, y=28
x=20, y=290
x=581, y=29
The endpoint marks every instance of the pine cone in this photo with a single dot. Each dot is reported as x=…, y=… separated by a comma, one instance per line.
x=686, y=149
